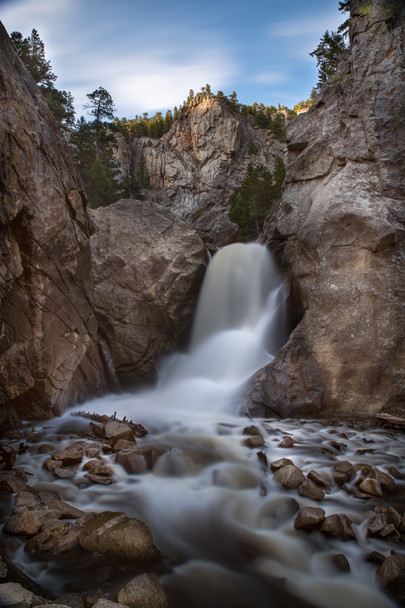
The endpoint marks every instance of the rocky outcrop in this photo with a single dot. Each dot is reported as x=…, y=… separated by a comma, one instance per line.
x=340, y=230
x=148, y=268
x=195, y=167
x=48, y=341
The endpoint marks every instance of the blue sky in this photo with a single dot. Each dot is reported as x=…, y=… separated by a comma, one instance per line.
x=149, y=54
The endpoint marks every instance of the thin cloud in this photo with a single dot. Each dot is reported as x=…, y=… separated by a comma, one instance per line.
x=273, y=77
x=304, y=28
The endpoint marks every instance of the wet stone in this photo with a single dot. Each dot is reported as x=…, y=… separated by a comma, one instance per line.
x=3, y=569
x=286, y=442
x=45, y=448
x=391, y=572
x=136, y=460
x=290, y=477
x=254, y=442
x=73, y=600
x=309, y=518
x=370, y=486
x=51, y=465
x=70, y=456
x=92, y=451
x=310, y=490
x=393, y=516
x=386, y=481
x=123, y=444
x=338, y=526
x=321, y=479
x=251, y=430
x=14, y=595
x=10, y=484
x=144, y=591
x=375, y=557
x=376, y=524
x=117, y=430
x=342, y=472
x=395, y=473
x=22, y=524
x=26, y=499
x=279, y=464
x=104, y=603
x=63, y=473
x=362, y=469
x=341, y=563
x=56, y=537
x=99, y=479
x=90, y=465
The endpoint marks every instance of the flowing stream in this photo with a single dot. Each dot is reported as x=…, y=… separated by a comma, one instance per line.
x=223, y=524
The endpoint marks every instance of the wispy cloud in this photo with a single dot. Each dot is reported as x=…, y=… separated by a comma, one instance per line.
x=304, y=28
x=271, y=77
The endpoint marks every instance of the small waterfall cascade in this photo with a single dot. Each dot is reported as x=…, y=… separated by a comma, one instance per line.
x=224, y=525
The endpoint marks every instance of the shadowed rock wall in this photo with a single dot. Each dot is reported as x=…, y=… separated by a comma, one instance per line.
x=340, y=230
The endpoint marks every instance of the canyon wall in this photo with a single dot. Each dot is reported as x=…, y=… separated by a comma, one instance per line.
x=197, y=165
x=48, y=343
x=339, y=230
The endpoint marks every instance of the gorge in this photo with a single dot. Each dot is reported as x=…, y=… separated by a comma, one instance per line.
x=92, y=300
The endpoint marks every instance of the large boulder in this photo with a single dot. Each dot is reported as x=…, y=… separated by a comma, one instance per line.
x=48, y=346
x=340, y=231
x=148, y=268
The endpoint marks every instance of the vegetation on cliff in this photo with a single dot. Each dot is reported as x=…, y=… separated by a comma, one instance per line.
x=250, y=203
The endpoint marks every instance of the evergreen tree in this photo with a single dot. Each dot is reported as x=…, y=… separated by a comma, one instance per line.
x=31, y=51
x=327, y=55
x=101, y=106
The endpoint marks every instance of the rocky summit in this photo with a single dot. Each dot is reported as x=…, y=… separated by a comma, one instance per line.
x=339, y=231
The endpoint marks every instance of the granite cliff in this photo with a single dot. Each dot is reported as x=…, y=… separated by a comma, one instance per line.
x=49, y=355
x=339, y=230
x=195, y=167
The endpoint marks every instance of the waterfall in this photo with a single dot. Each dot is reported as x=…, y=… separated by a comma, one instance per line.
x=222, y=522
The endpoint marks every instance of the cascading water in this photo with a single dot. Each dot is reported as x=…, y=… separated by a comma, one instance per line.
x=224, y=525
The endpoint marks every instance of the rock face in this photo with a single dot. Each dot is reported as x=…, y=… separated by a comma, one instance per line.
x=340, y=230
x=48, y=341
x=195, y=167
x=148, y=268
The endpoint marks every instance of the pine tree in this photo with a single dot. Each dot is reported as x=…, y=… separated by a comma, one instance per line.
x=101, y=106
x=328, y=53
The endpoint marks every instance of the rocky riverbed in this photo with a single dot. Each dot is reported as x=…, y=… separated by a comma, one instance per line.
x=75, y=494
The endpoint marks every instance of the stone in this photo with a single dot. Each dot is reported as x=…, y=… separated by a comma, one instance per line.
x=320, y=478
x=23, y=524
x=122, y=445
x=70, y=456
x=49, y=356
x=375, y=557
x=143, y=591
x=289, y=477
x=377, y=523
x=90, y=465
x=251, y=430
x=341, y=563
x=72, y=600
x=145, y=288
x=55, y=538
x=309, y=518
x=280, y=463
x=371, y=486
x=13, y=595
x=287, y=442
x=339, y=231
x=386, y=482
x=114, y=534
x=10, y=484
x=100, y=479
x=338, y=526
x=255, y=441
x=3, y=569
x=51, y=465
x=390, y=575
x=27, y=499
x=114, y=431
x=310, y=490
x=92, y=451
x=342, y=472
x=63, y=473
x=104, y=603
x=136, y=460
x=52, y=501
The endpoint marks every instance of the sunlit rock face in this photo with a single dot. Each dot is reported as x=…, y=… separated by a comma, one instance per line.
x=340, y=229
x=48, y=343
x=195, y=167
x=148, y=268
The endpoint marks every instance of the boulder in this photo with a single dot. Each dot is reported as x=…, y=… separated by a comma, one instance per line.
x=320, y=478
x=338, y=526
x=145, y=287
x=49, y=353
x=342, y=471
x=371, y=486
x=390, y=575
x=13, y=595
x=23, y=524
x=143, y=591
x=339, y=231
x=56, y=537
x=136, y=460
x=69, y=456
x=309, y=518
x=255, y=441
x=280, y=463
x=289, y=477
x=309, y=489
x=114, y=534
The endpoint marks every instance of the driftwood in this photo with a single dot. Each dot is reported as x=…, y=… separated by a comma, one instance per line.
x=137, y=429
x=391, y=419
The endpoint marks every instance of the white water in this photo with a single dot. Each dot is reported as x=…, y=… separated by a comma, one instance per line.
x=225, y=523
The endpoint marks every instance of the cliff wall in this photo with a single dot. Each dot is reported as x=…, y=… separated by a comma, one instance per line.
x=48, y=341
x=196, y=166
x=339, y=229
